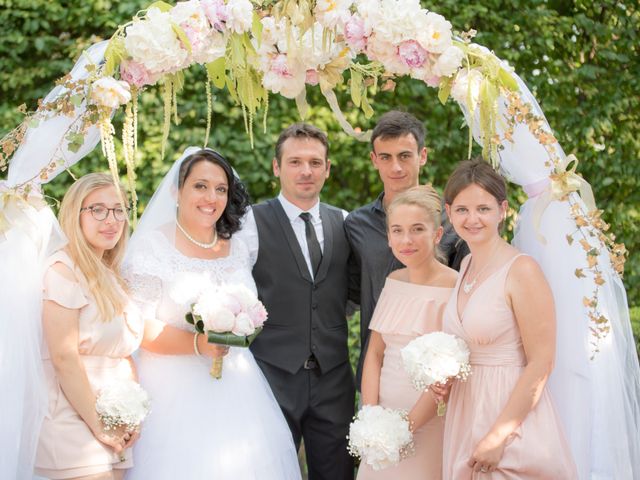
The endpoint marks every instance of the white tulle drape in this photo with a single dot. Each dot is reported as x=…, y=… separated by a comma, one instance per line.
x=34, y=235
x=597, y=399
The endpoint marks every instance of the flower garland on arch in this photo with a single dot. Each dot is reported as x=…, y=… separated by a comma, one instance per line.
x=258, y=48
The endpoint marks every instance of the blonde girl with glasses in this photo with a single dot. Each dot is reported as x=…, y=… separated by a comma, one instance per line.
x=90, y=331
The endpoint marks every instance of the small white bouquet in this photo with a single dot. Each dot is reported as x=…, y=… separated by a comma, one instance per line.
x=380, y=436
x=122, y=403
x=229, y=315
x=435, y=358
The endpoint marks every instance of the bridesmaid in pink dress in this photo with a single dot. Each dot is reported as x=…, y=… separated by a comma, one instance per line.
x=411, y=304
x=90, y=331
x=500, y=423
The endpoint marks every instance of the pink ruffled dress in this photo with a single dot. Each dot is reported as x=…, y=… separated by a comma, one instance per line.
x=66, y=447
x=537, y=450
x=403, y=312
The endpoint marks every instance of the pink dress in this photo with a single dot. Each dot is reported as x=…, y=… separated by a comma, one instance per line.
x=403, y=312
x=66, y=446
x=537, y=449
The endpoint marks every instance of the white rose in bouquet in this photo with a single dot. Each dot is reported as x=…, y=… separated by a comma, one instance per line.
x=122, y=402
x=380, y=436
x=435, y=358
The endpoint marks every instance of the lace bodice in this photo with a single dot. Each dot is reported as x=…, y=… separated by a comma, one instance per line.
x=162, y=280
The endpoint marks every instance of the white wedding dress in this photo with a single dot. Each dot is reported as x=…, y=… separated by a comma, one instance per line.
x=201, y=428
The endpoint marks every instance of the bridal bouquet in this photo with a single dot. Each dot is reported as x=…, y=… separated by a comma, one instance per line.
x=122, y=403
x=435, y=358
x=380, y=436
x=230, y=315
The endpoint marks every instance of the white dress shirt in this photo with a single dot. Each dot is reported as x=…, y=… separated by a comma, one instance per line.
x=249, y=230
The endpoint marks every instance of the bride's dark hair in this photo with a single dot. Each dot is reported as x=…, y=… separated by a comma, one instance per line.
x=238, y=199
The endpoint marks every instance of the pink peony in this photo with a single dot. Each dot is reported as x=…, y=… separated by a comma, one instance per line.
x=258, y=314
x=136, y=74
x=412, y=54
x=354, y=33
x=312, y=77
x=217, y=13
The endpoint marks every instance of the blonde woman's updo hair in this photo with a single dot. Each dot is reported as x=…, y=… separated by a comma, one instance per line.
x=423, y=196
x=102, y=274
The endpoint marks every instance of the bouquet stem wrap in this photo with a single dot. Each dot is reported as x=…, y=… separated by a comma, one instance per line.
x=216, y=368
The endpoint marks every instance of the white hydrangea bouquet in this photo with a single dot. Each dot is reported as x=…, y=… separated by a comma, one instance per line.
x=229, y=315
x=435, y=358
x=122, y=403
x=380, y=436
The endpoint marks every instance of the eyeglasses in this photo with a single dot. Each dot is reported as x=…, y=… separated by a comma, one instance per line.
x=100, y=213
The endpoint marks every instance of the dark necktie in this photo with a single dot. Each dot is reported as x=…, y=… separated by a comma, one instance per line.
x=315, y=253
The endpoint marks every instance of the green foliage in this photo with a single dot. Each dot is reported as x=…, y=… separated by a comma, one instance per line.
x=579, y=58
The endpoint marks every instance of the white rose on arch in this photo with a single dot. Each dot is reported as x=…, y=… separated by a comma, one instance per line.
x=285, y=75
x=153, y=43
x=207, y=43
x=109, y=92
x=332, y=13
x=449, y=62
x=240, y=15
x=466, y=88
x=435, y=36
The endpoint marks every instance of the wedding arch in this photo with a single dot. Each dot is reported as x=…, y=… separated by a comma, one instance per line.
x=254, y=49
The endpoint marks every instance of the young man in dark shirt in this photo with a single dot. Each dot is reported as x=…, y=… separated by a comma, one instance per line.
x=398, y=153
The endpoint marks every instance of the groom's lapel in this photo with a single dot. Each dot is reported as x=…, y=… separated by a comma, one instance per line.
x=294, y=246
x=328, y=233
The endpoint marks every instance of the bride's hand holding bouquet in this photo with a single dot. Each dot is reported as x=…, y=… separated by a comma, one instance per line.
x=229, y=315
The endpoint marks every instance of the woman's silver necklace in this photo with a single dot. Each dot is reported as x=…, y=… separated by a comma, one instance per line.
x=468, y=286
x=195, y=242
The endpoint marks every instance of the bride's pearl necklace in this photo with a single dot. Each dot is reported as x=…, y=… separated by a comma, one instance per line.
x=195, y=242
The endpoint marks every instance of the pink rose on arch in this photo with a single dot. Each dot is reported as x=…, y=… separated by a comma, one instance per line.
x=432, y=81
x=312, y=77
x=217, y=13
x=136, y=74
x=412, y=54
x=354, y=33
x=258, y=314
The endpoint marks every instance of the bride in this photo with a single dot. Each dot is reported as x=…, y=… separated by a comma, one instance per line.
x=199, y=427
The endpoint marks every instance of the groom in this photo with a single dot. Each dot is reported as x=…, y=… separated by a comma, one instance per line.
x=300, y=254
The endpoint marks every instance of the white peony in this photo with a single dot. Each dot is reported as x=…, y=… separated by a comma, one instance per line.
x=109, y=92
x=379, y=436
x=466, y=88
x=214, y=316
x=152, y=43
x=448, y=62
x=435, y=358
x=240, y=15
x=435, y=35
x=243, y=325
x=285, y=76
x=122, y=402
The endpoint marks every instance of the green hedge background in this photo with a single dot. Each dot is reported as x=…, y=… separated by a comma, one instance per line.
x=580, y=59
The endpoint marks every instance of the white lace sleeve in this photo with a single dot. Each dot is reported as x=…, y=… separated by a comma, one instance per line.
x=141, y=270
